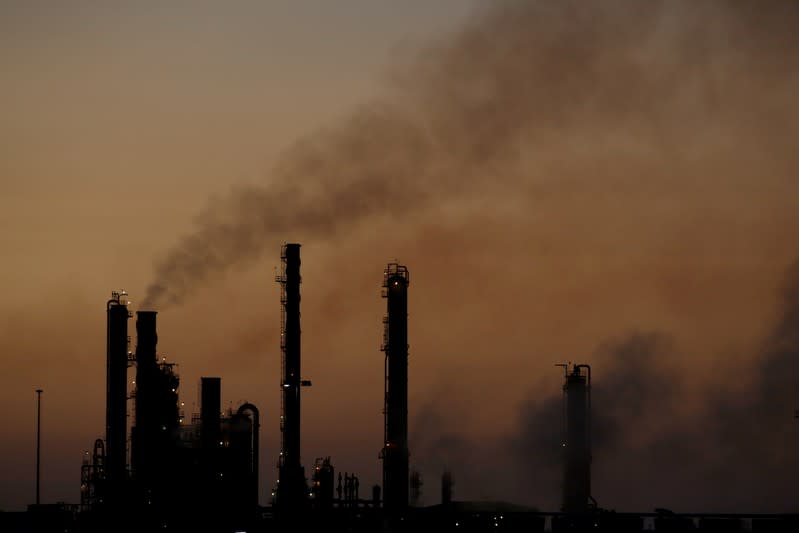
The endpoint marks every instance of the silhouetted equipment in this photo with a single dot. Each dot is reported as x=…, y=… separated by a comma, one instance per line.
x=93, y=477
x=446, y=487
x=203, y=475
x=216, y=462
x=323, y=483
x=194, y=476
x=395, y=345
x=292, y=490
x=348, y=489
x=117, y=348
x=577, y=443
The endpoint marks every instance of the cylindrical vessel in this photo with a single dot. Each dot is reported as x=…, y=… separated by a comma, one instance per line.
x=577, y=446
x=116, y=391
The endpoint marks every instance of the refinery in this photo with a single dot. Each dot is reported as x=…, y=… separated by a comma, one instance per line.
x=163, y=469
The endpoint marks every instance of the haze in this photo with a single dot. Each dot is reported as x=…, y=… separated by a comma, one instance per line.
x=611, y=183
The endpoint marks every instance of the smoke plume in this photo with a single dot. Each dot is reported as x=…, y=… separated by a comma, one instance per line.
x=637, y=131
x=525, y=96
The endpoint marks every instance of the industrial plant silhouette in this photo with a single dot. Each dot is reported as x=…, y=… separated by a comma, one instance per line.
x=199, y=472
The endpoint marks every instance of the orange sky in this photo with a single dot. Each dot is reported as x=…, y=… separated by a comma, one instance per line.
x=555, y=179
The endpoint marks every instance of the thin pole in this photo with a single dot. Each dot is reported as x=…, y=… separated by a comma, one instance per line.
x=38, y=439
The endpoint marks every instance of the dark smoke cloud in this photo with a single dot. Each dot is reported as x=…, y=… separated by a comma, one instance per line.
x=436, y=446
x=321, y=185
x=526, y=84
x=755, y=432
x=638, y=382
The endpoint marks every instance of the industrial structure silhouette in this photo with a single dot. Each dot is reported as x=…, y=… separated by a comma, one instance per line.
x=199, y=472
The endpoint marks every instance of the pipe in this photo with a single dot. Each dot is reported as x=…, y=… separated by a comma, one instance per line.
x=255, y=443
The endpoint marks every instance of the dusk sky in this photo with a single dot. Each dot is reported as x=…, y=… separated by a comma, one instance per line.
x=612, y=183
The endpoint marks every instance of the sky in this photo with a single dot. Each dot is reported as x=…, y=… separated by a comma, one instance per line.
x=607, y=183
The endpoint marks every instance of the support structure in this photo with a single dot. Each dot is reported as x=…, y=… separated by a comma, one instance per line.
x=395, y=453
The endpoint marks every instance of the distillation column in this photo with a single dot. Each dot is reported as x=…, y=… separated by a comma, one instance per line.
x=116, y=393
x=577, y=446
x=395, y=345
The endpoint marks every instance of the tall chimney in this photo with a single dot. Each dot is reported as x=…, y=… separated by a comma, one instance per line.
x=395, y=344
x=145, y=430
x=116, y=391
x=577, y=447
x=291, y=490
x=154, y=437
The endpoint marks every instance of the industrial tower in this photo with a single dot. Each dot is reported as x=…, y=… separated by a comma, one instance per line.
x=116, y=394
x=395, y=344
x=577, y=444
x=291, y=489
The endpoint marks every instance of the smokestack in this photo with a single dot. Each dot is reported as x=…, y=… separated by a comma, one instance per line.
x=153, y=438
x=143, y=432
x=146, y=338
x=291, y=490
x=577, y=447
x=116, y=392
x=395, y=344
